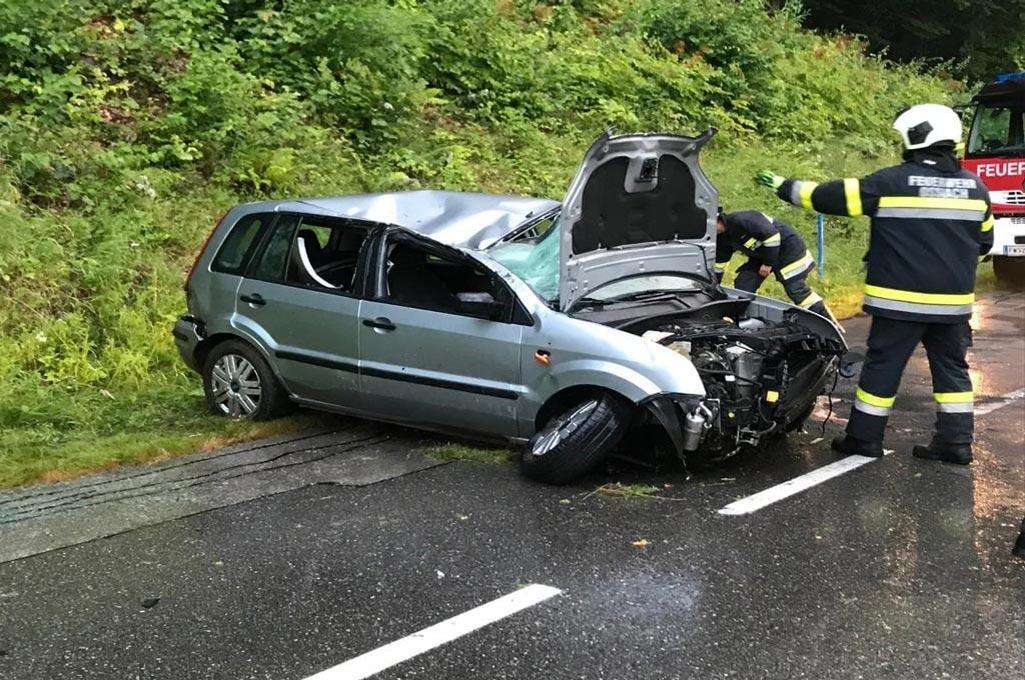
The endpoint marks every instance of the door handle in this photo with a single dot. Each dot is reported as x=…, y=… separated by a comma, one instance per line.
x=380, y=323
x=254, y=299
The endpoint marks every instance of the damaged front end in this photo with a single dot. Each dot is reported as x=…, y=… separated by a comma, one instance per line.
x=762, y=368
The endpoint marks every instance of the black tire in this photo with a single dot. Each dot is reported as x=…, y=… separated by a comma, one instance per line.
x=271, y=401
x=1010, y=271
x=575, y=441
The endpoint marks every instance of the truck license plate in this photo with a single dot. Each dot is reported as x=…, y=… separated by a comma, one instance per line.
x=1014, y=251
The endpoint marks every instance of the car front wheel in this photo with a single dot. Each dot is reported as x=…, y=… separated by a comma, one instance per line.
x=576, y=440
x=239, y=384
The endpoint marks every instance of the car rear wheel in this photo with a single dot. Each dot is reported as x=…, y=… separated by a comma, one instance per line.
x=576, y=440
x=239, y=384
x=1010, y=270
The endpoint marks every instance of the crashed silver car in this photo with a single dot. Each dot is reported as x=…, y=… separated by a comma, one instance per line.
x=557, y=326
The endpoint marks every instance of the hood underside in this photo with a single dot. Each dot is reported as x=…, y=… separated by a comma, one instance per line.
x=639, y=204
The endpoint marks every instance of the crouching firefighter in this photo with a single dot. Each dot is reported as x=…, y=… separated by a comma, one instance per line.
x=930, y=222
x=771, y=248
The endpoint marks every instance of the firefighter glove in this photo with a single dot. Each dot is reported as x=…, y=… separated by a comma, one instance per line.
x=769, y=179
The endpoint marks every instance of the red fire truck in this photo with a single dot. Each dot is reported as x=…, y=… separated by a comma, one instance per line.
x=996, y=153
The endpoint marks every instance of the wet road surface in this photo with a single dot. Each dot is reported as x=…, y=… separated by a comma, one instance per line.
x=284, y=558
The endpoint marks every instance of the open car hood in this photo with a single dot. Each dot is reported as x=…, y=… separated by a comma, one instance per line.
x=638, y=204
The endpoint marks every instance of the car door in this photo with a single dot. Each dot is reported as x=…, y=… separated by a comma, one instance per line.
x=426, y=358
x=299, y=301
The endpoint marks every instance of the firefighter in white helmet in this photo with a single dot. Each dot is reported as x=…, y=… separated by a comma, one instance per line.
x=931, y=221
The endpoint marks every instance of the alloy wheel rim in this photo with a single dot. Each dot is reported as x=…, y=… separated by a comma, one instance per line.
x=563, y=427
x=235, y=386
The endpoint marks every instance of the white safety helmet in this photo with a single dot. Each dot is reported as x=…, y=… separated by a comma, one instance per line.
x=923, y=125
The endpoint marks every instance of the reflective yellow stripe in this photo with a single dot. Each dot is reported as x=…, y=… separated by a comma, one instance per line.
x=852, y=190
x=806, y=191
x=773, y=240
x=953, y=397
x=794, y=266
x=924, y=298
x=939, y=203
x=988, y=224
x=810, y=300
x=751, y=243
x=720, y=266
x=882, y=402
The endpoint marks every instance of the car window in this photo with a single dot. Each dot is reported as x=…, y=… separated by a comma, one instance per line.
x=422, y=278
x=323, y=253
x=271, y=263
x=234, y=253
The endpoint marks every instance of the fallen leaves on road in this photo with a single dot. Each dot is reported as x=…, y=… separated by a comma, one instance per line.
x=641, y=543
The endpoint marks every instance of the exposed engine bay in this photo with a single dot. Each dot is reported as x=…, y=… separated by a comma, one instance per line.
x=762, y=376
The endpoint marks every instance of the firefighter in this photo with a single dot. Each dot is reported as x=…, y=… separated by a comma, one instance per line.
x=930, y=222
x=771, y=248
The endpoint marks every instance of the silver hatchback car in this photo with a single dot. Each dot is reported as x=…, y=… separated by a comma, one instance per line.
x=556, y=325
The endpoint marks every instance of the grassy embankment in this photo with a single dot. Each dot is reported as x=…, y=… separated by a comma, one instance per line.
x=127, y=127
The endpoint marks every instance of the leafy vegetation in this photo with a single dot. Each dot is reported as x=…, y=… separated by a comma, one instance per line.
x=128, y=126
x=977, y=38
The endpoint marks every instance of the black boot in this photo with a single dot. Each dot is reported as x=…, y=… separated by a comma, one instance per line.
x=959, y=454
x=1019, y=547
x=852, y=446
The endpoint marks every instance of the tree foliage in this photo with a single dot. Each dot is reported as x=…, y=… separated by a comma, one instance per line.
x=977, y=37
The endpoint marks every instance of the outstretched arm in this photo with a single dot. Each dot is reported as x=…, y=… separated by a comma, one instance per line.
x=847, y=197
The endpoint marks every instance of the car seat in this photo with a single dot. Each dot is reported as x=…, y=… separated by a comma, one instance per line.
x=411, y=281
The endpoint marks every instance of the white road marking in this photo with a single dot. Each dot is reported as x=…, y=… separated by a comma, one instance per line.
x=440, y=633
x=795, y=486
x=1006, y=400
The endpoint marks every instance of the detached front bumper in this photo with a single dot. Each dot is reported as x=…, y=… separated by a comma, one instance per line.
x=1009, y=236
x=188, y=332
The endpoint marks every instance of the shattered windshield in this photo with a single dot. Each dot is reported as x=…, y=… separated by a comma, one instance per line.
x=533, y=256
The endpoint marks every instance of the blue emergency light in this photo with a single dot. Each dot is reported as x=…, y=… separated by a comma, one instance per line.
x=1011, y=77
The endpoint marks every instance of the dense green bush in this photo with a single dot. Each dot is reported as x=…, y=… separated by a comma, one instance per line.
x=127, y=126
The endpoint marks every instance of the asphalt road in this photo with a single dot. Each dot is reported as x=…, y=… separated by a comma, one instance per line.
x=284, y=558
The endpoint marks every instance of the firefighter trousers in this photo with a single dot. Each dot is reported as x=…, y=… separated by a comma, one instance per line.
x=796, y=286
x=891, y=343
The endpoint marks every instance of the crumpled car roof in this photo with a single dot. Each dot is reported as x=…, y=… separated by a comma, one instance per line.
x=466, y=220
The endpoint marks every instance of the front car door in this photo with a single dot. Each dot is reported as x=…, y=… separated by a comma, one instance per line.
x=300, y=300
x=431, y=354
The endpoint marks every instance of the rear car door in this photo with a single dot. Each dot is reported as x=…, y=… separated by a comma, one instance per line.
x=432, y=352
x=300, y=300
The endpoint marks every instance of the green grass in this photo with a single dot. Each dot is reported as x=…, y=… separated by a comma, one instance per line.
x=466, y=452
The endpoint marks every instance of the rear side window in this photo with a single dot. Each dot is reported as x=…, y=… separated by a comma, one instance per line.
x=239, y=245
x=325, y=254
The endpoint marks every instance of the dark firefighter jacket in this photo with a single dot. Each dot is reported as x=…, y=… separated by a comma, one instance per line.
x=931, y=221
x=761, y=238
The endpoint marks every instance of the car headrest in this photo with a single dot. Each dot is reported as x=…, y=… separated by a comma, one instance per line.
x=310, y=239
